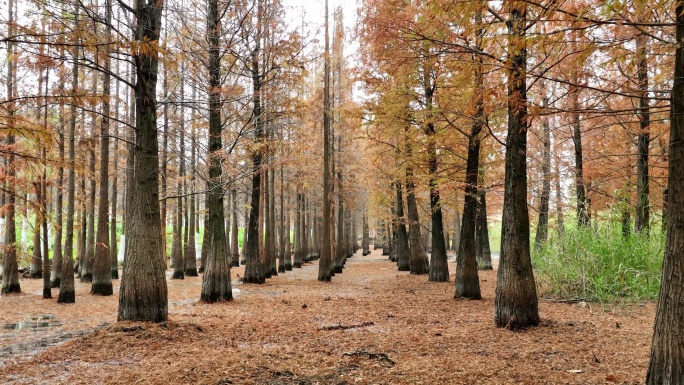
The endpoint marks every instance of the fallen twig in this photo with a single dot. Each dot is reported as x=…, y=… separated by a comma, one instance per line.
x=345, y=327
x=380, y=357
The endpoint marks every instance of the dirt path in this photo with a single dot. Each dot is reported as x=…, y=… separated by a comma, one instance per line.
x=370, y=325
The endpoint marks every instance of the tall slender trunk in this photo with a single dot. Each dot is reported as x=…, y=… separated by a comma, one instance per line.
x=515, y=302
x=56, y=273
x=298, y=231
x=67, y=292
x=484, y=253
x=402, y=247
x=439, y=269
x=253, y=270
x=580, y=183
x=467, y=281
x=325, y=264
x=113, y=245
x=271, y=223
x=543, y=222
x=419, y=260
x=216, y=284
x=559, y=197
x=644, y=137
x=281, y=237
x=47, y=292
x=365, y=237
x=288, y=245
x=190, y=249
x=102, y=272
x=234, y=249
x=177, y=244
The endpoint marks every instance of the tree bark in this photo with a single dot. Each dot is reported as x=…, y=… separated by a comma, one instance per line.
x=667, y=351
x=515, y=303
x=644, y=138
x=467, y=281
x=484, y=254
x=67, y=291
x=543, y=222
x=216, y=284
x=325, y=264
x=102, y=272
x=253, y=270
x=234, y=249
x=419, y=260
x=143, y=293
x=402, y=246
x=190, y=250
x=10, y=276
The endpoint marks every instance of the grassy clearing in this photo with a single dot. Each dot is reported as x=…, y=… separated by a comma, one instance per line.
x=600, y=265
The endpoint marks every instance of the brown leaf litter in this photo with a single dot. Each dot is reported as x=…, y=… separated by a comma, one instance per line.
x=370, y=325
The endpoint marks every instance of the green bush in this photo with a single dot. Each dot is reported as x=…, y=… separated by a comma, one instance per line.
x=600, y=265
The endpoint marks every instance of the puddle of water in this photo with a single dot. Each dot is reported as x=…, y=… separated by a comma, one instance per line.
x=35, y=323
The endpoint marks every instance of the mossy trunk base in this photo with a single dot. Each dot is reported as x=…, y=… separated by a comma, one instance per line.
x=66, y=297
x=102, y=288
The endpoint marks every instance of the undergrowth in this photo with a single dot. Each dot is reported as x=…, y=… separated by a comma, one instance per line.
x=600, y=265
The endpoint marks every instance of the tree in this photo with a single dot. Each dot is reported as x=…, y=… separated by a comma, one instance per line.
x=253, y=271
x=467, y=281
x=10, y=277
x=667, y=350
x=644, y=137
x=402, y=245
x=102, y=272
x=143, y=292
x=67, y=290
x=216, y=280
x=515, y=303
x=327, y=251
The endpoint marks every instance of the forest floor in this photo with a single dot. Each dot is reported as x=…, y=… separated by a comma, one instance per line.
x=370, y=325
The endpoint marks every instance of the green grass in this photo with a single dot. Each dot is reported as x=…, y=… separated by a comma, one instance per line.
x=600, y=265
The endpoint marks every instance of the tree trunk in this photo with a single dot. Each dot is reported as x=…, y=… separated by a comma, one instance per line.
x=439, y=269
x=10, y=276
x=81, y=239
x=667, y=351
x=419, y=260
x=36, y=267
x=287, y=249
x=326, y=264
x=245, y=231
x=298, y=232
x=272, y=223
x=559, y=198
x=515, y=303
x=143, y=293
x=102, y=272
x=365, y=240
x=484, y=254
x=216, y=280
x=56, y=272
x=177, y=244
x=113, y=242
x=253, y=271
x=402, y=246
x=190, y=250
x=67, y=292
x=234, y=249
x=543, y=222
x=467, y=281
x=642, y=206
x=580, y=187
